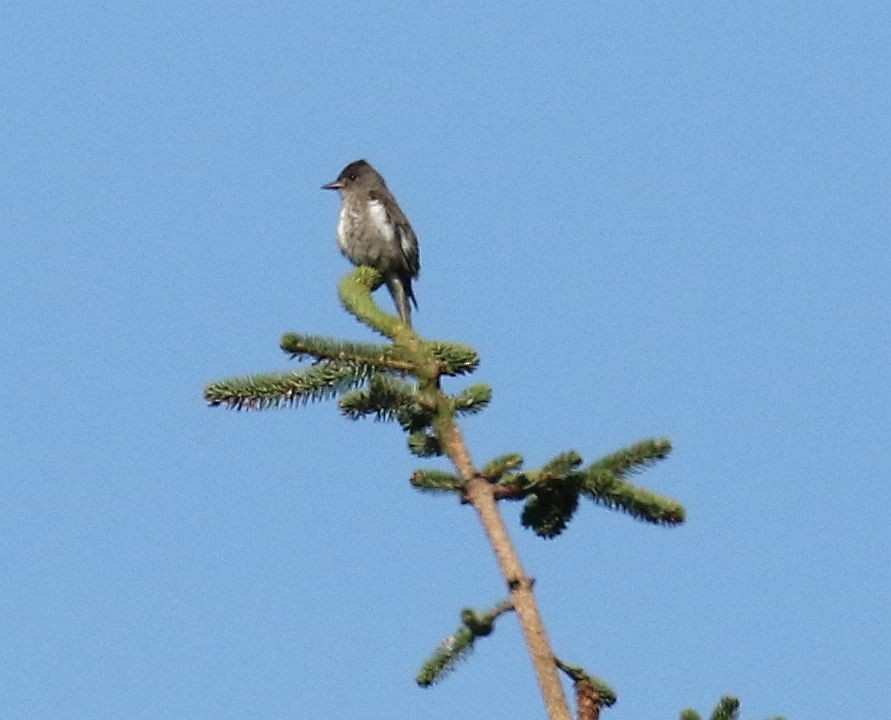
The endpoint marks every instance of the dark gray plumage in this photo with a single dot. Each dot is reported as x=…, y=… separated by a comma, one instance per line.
x=373, y=230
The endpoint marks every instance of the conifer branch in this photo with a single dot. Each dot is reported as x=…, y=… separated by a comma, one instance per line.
x=473, y=399
x=560, y=467
x=516, y=486
x=355, y=295
x=454, y=358
x=424, y=444
x=384, y=397
x=549, y=509
x=458, y=645
x=451, y=651
x=258, y=392
x=726, y=709
x=436, y=481
x=615, y=493
x=551, y=493
x=481, y=495
x=495, y=469
x=384, y=357
x=635, y=457
x=368, y=379
x=587, y=700
x=591, y=693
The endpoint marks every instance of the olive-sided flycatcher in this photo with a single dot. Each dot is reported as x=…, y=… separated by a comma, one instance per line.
x=373, y=230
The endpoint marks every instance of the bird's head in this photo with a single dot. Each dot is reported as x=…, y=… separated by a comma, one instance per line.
x=356, y=177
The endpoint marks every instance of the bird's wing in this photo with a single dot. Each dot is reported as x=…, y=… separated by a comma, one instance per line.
x=408, y=242
x=388, y=213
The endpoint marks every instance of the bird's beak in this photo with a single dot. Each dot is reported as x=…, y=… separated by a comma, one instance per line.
x=336, y=185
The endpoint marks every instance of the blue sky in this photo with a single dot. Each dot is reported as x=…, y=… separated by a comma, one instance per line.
x=649, y=221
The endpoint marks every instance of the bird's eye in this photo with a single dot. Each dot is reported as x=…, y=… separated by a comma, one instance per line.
x=352, y=177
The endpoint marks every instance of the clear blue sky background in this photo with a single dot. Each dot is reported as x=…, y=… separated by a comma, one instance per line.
x=665, y=219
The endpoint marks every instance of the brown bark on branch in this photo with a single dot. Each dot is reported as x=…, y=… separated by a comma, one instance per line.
x=481, y=495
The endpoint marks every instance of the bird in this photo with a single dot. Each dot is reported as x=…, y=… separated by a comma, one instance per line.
x=373, y=230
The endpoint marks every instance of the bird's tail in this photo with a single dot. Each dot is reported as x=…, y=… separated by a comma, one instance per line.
x=400, y=288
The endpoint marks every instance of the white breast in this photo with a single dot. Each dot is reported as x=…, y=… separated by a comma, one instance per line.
x=378, y=214
x=343, y=224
